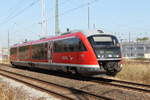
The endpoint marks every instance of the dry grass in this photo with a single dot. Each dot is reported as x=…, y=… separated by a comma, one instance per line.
x=138, y=72
x=5, y=61
x=9, y=93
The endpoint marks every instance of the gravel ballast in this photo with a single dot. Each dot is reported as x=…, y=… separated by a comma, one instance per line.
x=100, y=89
x=30, y=92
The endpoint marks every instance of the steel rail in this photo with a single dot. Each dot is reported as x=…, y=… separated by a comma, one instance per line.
x=128, y=82
x=36, y=87
x=78, y=91
x=125, y=86
x=122, y=84
x=117, y=83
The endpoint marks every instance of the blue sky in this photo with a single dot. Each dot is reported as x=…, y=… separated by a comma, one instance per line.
x=116, y=16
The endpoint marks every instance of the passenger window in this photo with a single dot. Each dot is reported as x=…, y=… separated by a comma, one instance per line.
x=39, y=51
x=69, y=45
x=13, y=51
x=24, y=52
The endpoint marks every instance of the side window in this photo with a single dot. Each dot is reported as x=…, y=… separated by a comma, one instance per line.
x=39, y=51
x=82, y=46
x=58, y=46
x=69, y=45
x=91, y=41
x=13, y=51
x=115, y=40
x=24, y=52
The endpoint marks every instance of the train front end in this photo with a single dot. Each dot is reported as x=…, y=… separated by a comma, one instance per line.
x=108, y=52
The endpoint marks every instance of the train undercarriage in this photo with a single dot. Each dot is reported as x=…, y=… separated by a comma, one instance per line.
x=111, y=67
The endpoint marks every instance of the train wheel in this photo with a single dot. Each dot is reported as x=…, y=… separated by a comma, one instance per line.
x=112, y=68
x=72, y=70
x=13, y=65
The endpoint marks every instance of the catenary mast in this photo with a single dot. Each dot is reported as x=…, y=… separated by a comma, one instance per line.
x=57, y=30
x=88, y=15
x=43, y=17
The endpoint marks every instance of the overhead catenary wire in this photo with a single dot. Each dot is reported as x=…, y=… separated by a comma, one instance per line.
x=57, y=30
x=13, y=9
x=24, y=28
x=36, y=1
x=76, y=8
x=79, y=7
x=64, y=2
x=20, y=12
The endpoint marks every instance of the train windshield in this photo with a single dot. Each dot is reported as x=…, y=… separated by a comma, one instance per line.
x=103, y=40
x=105, y=46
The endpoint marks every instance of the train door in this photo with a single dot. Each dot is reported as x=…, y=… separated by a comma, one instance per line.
x=17, y=54
x=50, y=50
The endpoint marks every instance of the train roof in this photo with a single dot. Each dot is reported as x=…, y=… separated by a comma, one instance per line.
x=87, y=33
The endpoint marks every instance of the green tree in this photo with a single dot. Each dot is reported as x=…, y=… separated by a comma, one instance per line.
x=142, y=39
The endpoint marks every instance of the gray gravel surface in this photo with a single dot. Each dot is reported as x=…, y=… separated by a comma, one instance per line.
x=107, y=91
x=23, y=92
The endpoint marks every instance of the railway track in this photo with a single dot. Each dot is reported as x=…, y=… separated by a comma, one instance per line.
x=123, y=84
x=60, y=91
x=138, y=87
x=116, y=83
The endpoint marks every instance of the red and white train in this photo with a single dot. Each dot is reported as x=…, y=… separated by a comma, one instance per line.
x=83, y=52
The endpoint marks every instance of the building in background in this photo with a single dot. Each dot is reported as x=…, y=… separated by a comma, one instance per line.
x=136, y=49
x=147, y=56
x=129, y=50
x=4, y=55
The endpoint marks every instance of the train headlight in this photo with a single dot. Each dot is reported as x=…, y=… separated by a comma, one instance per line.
x=99, y=56
x=109, y=55
x=118, y=45
x=116, y=56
